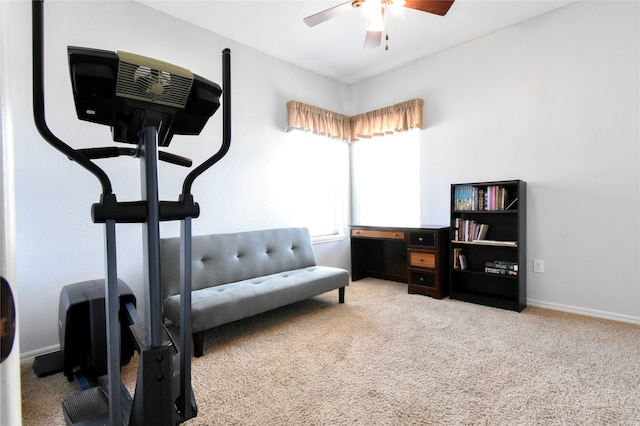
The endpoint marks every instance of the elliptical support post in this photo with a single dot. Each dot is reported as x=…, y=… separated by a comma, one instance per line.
x=187, y=398
x=154, y=399
x=151, y=242
x=112, y=309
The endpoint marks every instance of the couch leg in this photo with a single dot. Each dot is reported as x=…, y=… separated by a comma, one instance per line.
x=198, y=344
x=341, y=295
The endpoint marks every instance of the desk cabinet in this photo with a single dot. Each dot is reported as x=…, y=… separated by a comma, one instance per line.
x=417, y=256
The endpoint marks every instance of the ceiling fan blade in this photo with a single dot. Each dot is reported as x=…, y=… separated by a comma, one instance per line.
x=438, y=7
x=327, y=14
x=373, y=39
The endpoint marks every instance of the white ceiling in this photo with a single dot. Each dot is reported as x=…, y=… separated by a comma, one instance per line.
x=335, y=48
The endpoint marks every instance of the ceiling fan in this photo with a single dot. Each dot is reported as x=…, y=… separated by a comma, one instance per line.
x=376, y=11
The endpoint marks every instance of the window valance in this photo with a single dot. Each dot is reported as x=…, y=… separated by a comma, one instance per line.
x=395, y=118
x=317, y=120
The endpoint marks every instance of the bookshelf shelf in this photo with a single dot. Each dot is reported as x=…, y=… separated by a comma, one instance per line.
x=468, y=272
x=488, y=243
x=486, y=211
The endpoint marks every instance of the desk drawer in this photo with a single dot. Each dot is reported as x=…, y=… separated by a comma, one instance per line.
x=422, y=260
x=372, y=233
x=423, y=279
x=425, y=239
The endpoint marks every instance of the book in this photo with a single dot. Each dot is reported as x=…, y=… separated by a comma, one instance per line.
x=482, y=231
x=463, y=197
x=500, y=271
x=497, y=243
x=469, y=230
x=463, y=261
x=456, y=258
x=511, y=204
x=502, y=264
x=478, y=198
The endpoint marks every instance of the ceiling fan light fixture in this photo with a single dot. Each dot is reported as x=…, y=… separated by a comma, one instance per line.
x=371, y=8
x=376, y=11
x=396, y=6
x=376, y=23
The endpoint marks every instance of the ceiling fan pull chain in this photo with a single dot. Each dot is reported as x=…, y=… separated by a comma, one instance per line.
x=386, y=27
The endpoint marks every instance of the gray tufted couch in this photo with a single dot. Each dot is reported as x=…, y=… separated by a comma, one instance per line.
x=242, y=274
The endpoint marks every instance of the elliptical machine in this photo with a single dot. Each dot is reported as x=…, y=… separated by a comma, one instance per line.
x=145, y=102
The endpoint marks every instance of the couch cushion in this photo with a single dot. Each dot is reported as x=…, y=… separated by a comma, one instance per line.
x=224, y=258
x=225, y=303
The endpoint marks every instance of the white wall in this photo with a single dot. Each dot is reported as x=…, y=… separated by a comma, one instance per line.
x=57, y=243
x=553, y=101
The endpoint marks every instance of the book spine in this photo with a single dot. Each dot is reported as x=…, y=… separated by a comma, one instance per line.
x=469, y=230
x=498, y=264
x=477, y=198
x=463, y=261
x=499, y=271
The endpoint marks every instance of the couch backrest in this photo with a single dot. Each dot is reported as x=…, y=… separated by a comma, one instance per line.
x=224, y=258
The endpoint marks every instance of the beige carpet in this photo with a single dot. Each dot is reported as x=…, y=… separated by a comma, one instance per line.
x=387, y=357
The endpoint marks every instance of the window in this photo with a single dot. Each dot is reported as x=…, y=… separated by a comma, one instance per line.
x=386, y=180
x=321, y=170
x=385, y=170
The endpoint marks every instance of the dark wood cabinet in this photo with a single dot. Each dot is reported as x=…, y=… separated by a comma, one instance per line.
x=417, y=256
x=492, y=270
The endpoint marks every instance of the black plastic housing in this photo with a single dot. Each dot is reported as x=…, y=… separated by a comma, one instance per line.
x=94, y=74
x=82, y=328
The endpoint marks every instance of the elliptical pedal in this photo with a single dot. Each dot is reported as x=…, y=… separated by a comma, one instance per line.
x=86, y=407
x=90, y=406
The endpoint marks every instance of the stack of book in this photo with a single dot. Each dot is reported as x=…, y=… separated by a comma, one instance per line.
x=501, y=267
x=492, y=197
x=469, y=230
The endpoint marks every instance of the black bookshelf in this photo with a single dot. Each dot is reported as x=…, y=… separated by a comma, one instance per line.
x=493, y=269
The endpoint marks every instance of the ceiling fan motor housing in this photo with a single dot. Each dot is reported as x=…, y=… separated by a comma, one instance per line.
x=127, y=91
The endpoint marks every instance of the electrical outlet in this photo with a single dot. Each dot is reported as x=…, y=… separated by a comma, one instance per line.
x=538, y=266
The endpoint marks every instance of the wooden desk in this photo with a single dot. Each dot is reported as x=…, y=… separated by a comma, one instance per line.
x=417, y=256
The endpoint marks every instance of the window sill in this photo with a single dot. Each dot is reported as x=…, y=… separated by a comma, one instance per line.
x=321, y=239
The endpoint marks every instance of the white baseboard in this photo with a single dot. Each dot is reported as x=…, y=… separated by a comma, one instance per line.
x=29, y=356
x=584, y=311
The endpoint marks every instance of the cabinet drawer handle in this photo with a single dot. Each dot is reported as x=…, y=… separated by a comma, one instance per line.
x=420, y=239
x=421, y=278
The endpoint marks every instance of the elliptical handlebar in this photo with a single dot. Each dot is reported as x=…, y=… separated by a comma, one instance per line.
x=39, y=106
x=226, y=127
x=114, y=151
x=106, y=152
